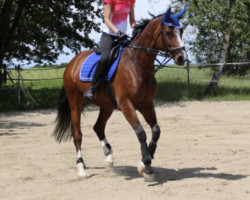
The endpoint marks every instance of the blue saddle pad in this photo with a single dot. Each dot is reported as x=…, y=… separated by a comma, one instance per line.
x=89, y=66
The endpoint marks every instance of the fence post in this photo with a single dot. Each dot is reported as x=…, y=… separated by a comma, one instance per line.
x=1, y=77
x=18, y=83
x=4, y=73
x=188, y=75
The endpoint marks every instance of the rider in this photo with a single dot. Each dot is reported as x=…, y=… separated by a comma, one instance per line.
x=115, y=25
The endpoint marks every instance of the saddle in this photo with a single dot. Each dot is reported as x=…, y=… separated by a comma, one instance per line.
x=113, y=53
x=89, y=65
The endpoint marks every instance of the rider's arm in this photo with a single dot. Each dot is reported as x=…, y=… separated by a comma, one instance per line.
x=132, y=16
x=107, y=21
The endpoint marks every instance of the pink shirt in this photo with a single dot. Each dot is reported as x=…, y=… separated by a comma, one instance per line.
x=119, y=14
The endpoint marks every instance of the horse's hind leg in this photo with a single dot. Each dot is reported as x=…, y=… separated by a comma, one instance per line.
x=76, y=105
x=99, y=128
x=150, y=117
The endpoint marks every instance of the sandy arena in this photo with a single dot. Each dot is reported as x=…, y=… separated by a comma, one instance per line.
x=203, y=154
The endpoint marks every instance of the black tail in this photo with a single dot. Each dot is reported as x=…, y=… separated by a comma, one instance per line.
x=63, y=130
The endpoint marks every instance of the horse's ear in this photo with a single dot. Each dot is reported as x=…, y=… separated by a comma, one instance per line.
x=166, y=16
x=179, y=15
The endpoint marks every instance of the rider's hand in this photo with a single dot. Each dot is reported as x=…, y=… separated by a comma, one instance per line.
x=135, y=32
x=121, y=35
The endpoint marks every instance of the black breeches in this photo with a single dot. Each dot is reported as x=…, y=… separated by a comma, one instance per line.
x=106, y=44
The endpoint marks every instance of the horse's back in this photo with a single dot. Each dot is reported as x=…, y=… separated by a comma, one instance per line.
x=75, y=63
x=71, y=79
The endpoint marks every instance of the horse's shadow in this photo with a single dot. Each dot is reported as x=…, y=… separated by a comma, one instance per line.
x=163, y=175
x=8, y=128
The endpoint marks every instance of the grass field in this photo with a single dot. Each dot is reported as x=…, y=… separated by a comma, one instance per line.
x=172, y=86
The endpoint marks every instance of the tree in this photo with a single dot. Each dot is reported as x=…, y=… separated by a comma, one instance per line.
x=222, y=32
x=39, y=30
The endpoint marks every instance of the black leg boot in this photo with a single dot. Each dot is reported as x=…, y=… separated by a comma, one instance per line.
x=91, y=92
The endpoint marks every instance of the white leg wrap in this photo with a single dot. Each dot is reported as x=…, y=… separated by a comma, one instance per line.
x=80, y=166
x=104, y=142
x=109, y=161
x=79, y=154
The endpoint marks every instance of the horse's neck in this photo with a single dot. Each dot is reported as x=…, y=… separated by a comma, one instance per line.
x=147, y=39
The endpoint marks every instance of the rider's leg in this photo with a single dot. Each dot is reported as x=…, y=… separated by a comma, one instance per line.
x=106, y=45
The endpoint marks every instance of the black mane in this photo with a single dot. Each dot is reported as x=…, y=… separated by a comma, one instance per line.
x=142, y=24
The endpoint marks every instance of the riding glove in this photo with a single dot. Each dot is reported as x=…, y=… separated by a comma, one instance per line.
x=121, y=35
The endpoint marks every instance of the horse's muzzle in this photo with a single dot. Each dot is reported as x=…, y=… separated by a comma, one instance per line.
x=180, y=57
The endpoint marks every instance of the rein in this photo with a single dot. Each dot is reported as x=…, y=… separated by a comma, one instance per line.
x=167, y=58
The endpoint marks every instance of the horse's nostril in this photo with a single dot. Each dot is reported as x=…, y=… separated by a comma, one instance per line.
x=180, y=59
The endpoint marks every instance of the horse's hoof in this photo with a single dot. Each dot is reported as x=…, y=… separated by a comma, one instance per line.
x=82, y=175
x=81, y=171
x=148, y=177
x=141, y=168
x=109, y=165
x=109, y=161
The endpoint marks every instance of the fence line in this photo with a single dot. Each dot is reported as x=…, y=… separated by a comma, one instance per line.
x=33, y=69
x=45, y=79
x=41, y=69
x=214, y=81
x=8, y=88
x=21, y=86
x=169, y=66
x=215, y=64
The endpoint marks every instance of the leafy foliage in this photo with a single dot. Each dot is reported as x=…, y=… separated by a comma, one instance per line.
x=209, y=21
x=39, y=30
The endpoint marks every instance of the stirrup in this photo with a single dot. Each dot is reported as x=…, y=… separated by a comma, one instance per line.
x=90, y=93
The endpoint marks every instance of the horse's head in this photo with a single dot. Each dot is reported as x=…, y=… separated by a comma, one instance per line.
x=171, y=36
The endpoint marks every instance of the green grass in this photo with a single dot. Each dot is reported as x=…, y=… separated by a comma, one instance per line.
x=44, y=92
x=172, y=86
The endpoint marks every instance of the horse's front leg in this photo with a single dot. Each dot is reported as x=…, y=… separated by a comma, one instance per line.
x=149, y=115
x=131, y=116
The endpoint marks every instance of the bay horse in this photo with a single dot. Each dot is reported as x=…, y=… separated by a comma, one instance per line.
x=133, y=86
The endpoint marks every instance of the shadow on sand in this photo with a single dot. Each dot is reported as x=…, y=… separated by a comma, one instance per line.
x=163, y=175
x=7, y=128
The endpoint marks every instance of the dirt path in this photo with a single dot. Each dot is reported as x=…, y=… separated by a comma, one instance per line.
x=203, y=153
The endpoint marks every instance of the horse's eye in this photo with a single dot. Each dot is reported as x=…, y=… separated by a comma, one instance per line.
x=169, y=33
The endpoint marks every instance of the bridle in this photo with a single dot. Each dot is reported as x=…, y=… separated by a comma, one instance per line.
x=166, y=53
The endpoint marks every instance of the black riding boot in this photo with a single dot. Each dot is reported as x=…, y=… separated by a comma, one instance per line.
x=91, y=92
